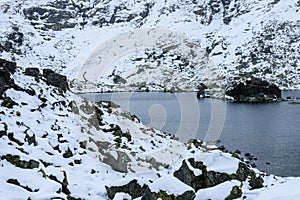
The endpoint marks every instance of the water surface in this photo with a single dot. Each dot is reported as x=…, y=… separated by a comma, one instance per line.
x=269, y=131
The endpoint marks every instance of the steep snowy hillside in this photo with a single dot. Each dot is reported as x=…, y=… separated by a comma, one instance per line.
x=239, y=37
x=56, y=145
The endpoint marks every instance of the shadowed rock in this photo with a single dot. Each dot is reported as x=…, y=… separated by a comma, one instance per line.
x=32, y=71
x=254, y=90
x=55, y=79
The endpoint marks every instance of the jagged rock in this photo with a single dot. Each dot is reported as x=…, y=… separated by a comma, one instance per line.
x=16, y=182
x=188, y=195
x=16, y=37
x=119, y=79
x=15, y=160
x=256, y=182
x=120, y=163
x=205, y=180
x=32, y=71
x=6, y=69
x=235, y=193
x=185, y=174
x=64, y=184
x=8, y=102
x=68, y=154
x=254, y=90
x=211, y=178
x=134, y=189
x=55, y=19
x=243, y=172
x=8, y=65
x=56, y=79
x=201, y=91
x=3, y=130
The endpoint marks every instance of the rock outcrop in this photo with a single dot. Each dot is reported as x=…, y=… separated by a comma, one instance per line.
x=254, y=90
x=135, y=190
x=6, y=69
x=201, y=91
x=55, y=79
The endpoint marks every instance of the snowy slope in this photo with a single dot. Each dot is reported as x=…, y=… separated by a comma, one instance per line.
x=56, y=145
x=239, y=37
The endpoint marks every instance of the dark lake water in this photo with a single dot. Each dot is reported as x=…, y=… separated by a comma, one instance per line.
x=269, y=131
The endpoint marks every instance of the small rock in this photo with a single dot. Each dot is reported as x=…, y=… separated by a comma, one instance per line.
x=35, y=72
x=235, y=193
x=68, y=154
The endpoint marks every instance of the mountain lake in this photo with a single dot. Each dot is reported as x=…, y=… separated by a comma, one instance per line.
x=268, y=131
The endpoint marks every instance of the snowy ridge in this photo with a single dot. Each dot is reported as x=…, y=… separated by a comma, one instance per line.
x=240, y=37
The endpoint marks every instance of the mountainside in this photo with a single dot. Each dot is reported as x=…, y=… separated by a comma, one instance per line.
x=57, y=145
x=238, y=37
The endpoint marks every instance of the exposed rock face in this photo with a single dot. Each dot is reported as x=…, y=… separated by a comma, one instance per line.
x=201, y=91
x=254, y=90
x=6, y=69
x=135, y=190
x=205, y=180
x=235, y=193
x=132, y=188
x=31, y=71
x=211, y=178
x=56, y=79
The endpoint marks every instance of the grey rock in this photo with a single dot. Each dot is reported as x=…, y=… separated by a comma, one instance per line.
x=32, y=71
x=55, y=79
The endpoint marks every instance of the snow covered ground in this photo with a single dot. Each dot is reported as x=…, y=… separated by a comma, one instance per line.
x=239, y=38
x=56, y=145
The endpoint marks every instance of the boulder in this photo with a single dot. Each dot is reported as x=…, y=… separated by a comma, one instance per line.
x=254, y=90
x=205, y=180
x=55, y=79
x=212, y=178
x=32, y=71
x=118, y=79
x=8, y=66
x=6, y=69
x=201, y=91
x=135, y=190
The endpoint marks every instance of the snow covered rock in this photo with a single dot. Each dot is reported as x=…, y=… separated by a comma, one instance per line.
x=6, y=69
x=254, y=90
x=57, y=145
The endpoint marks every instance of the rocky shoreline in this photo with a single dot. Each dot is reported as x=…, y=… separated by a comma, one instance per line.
x=40, y=144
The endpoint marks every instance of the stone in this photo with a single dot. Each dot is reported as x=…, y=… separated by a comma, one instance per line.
x=68, y=154
x=15, y=160
x=205, y=180
x=32, y=71
x=188, y=195
x=119, y=79
x=235, y=193
x=254, y=90
x=201, y=91
x=184, y=174
x=8, y=65
x=134, y=189
x=6, y=69
x=8, y=102
x=55, y=79
x=243, y=172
